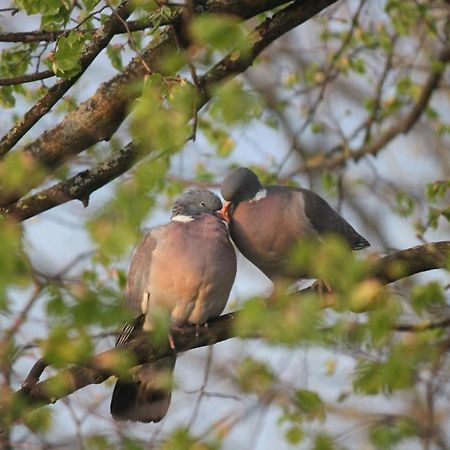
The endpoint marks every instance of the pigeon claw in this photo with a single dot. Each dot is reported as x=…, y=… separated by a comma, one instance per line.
x=172, y=342
x=322, y=287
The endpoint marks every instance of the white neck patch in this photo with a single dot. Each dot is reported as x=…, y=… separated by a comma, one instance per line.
x=182, y=218
x=262, y=193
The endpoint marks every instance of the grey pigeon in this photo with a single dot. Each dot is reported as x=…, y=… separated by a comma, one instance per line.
x=267, y=221
x=185, y=269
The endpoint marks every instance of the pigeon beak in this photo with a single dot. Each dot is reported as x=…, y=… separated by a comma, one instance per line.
x=223, y=213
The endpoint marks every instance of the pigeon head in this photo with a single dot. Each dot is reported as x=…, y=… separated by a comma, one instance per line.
x=240, y=184
x=195, y=202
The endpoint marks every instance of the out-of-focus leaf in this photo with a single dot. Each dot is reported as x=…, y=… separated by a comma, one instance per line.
x=404, y=204
x=309, y=402
x=90, y=4
x=182, y=439
x=14, y=268
x=233, y=105
x=40, y=420
x=387, y=437
x=437, y=190
x=219, y=31
x=294, y=435
x=160, y=120
x=428, y=295
x=115, y=56
x=254, y=376
x=324, y=442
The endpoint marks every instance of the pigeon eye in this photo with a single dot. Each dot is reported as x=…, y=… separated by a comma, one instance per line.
x=202, y=204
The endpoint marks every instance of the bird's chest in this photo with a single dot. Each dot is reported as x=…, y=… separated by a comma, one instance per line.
x=187, y=278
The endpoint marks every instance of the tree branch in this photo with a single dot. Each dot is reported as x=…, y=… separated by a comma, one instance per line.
x=78, y=187
x=412, y=261
x=28, y=78
x=34, y=394
x=99, y=42
x=324, y=161
x=50, y=36
x=83, y=184
x=99, y=117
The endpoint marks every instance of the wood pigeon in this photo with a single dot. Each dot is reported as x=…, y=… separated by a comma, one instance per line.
x=265, y=222
x=185, y=269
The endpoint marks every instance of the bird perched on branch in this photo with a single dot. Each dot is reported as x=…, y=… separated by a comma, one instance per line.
x=184, y=269
x=265, y=222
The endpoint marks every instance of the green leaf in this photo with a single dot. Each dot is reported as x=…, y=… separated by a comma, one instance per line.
x=232, y=104
x=329, y=182
x=317, y=127
x=161, y=115
x=294, y=435
x=54, y=13
x=218, y=137
x=40, y=420
x=65, y=60
x=323, y=442
x=397, y=372
x=61, y=347
x=219, y=31
x=254, y=376
x=358, y=65
x=43, y=6
x=404, y=204
x=437, y=190
x=7, y=99
x=14, y=268
x=90, y=4
x=428, y=295
x=14, y=61
x=115, y=56
x=433, y=217
x=380, y=322
x=97, y=442
x=309, y=402
x=181, y=439
x=387, y=437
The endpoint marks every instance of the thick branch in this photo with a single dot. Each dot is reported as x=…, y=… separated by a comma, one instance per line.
x=78, y=187
x=98, y=118
x=99, y=42
x=35, y=394
x=82, y=185
x=412, y=261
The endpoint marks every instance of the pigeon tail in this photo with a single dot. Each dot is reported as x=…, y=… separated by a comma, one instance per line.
x=146, y=397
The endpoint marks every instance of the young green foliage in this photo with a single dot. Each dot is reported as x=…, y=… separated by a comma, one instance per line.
x=65, y=60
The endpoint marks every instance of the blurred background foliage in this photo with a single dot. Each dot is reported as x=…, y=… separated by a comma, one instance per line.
x=353, y=104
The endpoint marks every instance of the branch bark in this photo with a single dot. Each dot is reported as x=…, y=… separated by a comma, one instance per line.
x=35, y=394
x=99, y=42
x=50, y=36
x=100, y=116
x=28, y=78
x=106, y=110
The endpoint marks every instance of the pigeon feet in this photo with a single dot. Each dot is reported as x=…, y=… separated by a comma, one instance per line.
x=322, y=287
x=172, y=342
